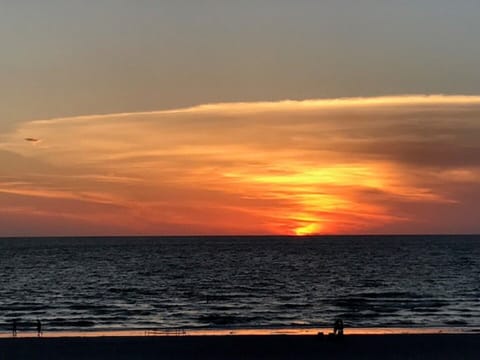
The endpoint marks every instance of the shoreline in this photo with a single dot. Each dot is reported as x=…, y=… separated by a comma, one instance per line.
x=374, y=331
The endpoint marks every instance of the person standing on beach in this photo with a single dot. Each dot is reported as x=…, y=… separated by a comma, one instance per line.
x=39, y=328
x=14, y=328
x=338, y=327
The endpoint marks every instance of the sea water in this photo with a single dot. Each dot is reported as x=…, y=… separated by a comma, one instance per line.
x=73, y=284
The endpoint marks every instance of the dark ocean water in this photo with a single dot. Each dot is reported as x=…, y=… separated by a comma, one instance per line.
x=241, y=282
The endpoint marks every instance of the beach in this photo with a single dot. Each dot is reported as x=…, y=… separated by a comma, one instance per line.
x=388, y=346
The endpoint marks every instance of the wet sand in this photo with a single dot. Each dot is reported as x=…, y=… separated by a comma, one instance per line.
x=296, y=331
x=389, y=346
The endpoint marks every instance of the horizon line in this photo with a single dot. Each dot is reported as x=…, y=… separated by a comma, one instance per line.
x=235, y=236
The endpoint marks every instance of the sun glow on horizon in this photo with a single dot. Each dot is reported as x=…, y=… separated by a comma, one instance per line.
x=309, y=229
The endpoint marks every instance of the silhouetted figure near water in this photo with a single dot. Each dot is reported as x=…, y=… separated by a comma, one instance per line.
x=39, y=328
x=338, y=327
x=14, y=328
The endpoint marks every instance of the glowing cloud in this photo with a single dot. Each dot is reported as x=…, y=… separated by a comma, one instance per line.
x=389, y=164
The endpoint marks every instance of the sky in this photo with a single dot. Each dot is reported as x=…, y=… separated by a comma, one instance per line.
x=248, y=117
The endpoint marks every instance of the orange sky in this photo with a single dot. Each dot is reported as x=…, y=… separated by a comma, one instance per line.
x=407, y=164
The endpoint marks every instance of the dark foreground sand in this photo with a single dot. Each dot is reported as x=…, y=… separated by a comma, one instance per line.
x=439, y=346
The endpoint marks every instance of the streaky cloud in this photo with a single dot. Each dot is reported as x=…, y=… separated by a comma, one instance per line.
x=282, y=105
x=289, y=167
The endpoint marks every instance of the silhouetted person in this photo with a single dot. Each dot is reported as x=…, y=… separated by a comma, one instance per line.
x=39, y=328
x=338, y=327
x=14, y=328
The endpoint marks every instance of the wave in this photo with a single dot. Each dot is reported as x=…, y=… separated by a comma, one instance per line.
x=391, y=295
x=223, y=319
x=70, y=323
x=294, y=306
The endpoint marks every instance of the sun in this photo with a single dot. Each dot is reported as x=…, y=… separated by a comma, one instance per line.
x=308, y=229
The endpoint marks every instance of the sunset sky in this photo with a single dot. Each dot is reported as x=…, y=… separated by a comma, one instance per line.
x=248, y=117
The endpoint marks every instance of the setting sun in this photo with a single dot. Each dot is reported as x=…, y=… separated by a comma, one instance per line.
x=309, y=229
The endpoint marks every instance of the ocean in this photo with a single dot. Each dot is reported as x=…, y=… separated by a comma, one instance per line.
x=80, y=284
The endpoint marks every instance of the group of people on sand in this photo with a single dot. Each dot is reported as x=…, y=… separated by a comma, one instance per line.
x=337, y=329
x=39, y=328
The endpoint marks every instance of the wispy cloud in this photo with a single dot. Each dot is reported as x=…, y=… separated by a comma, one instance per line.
x=333, y=166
